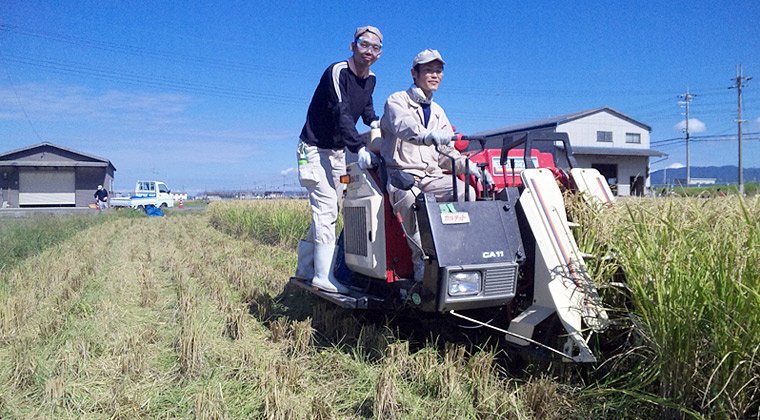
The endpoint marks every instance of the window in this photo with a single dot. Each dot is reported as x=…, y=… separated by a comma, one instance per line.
x=633, y=138
x=145, y=186
x=604, y=136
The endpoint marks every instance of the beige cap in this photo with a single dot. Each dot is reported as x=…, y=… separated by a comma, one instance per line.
x=427, y=56
x=362, y=29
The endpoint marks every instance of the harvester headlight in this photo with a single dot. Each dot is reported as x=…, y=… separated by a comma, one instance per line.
x=464, y=283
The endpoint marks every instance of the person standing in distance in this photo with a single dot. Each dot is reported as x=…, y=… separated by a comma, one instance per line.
x=101, y=198
x=343, y=95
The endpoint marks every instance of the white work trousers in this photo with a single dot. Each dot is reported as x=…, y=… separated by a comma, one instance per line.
x=320, y=175
x=402, y=202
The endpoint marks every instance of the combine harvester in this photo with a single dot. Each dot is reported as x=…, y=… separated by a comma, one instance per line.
x=504, y=260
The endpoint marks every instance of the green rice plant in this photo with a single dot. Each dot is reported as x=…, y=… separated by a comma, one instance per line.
x=148, y=288
x=54, y=389
x=22, y=238
x=482, y=378
x=279, y=329
x=210, y=404
x=397, y=353
x=692, y=267
x=131, y=356
x=282, y=388
x=303, y=336
x=711, y=191
x=273, y=222
x=191, y=341
x=23, y=365
x=236, y=322
x=26, y=237
x=385, y=404
x=320, y=410
x=542, y=398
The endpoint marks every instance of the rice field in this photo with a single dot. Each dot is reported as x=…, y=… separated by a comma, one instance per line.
x=189, y=316
x=693, y=271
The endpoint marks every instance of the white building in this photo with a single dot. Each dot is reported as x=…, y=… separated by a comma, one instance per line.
x=179, y=196
x=694, y=182
x=601, y=138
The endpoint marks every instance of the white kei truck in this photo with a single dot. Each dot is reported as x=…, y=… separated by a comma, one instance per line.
x=146, y=193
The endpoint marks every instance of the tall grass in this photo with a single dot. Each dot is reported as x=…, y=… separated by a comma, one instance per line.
x=274, y=222
x=692, y=267
x=23, y=238
x=751, y=189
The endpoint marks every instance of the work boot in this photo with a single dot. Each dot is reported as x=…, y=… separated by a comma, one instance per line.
x=324, y=264
x=305, y=267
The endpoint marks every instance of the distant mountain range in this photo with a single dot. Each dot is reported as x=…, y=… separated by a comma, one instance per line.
x=722, y=174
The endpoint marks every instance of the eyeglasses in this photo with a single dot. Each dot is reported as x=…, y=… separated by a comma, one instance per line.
x=431, y=70
x=366, y=45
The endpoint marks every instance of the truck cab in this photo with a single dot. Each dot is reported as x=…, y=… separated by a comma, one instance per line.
x=146, y=193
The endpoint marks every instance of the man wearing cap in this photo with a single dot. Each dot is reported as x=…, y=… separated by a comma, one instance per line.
x=412, y=126
x=343, y=95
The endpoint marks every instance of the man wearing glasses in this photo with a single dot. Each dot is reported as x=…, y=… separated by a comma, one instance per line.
x=412, y=126
x=343, y=95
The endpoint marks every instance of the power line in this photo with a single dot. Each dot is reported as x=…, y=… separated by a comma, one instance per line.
x=700, y=139
x=145, y=52
x=76, y=69
x=18, y=99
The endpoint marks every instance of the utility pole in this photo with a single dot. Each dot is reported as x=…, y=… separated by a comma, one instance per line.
x=740, y=79
x=686, y=99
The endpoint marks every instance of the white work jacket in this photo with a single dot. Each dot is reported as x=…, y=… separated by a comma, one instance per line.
x=403, y=131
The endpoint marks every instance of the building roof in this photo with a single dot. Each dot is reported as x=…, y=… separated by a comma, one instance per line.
x=615, y=151
x=553, y=122
x=11, y=158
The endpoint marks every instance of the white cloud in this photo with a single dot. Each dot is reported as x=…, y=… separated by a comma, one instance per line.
x=695, y=126
x=74, y=103
x=183, y=152
x=676, y=165
x=171, y=136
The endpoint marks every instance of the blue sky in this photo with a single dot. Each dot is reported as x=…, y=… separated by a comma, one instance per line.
x=213, y=95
